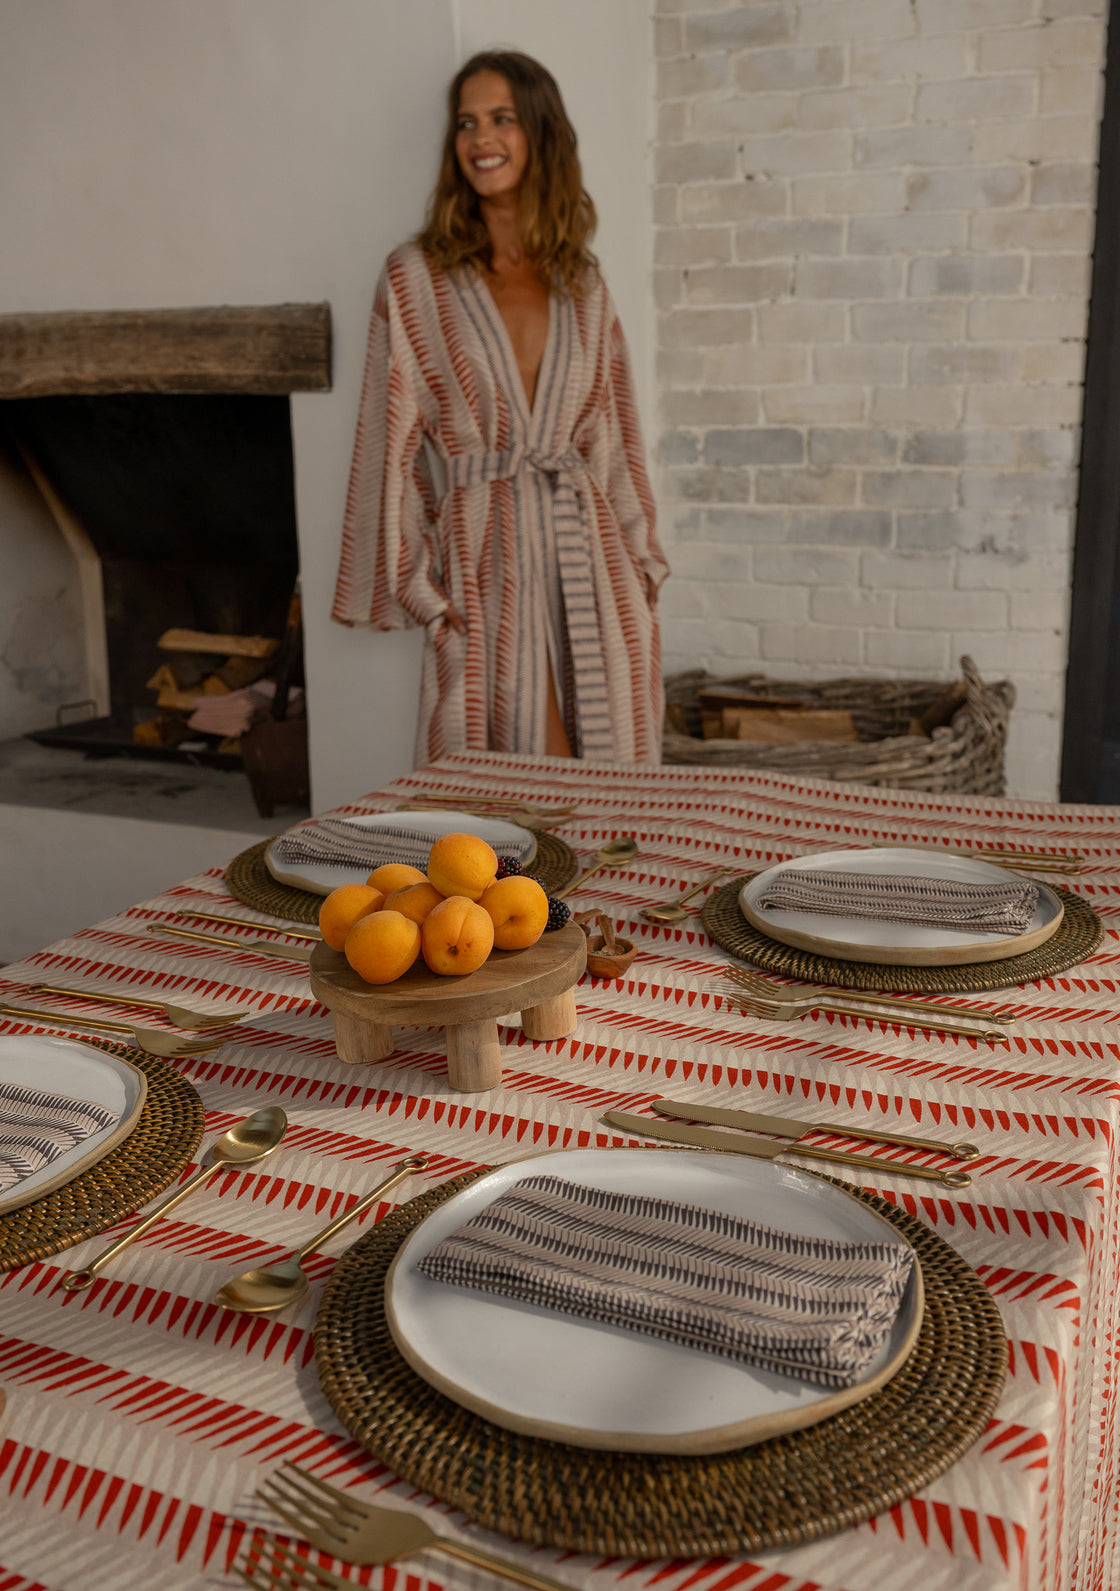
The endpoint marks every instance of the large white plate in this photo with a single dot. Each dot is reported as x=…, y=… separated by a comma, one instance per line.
x=66, y=1066
x=320, y=878
x=597, y=1386
x=896, y=944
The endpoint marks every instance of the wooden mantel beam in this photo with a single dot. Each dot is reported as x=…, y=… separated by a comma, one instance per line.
x=268, y=349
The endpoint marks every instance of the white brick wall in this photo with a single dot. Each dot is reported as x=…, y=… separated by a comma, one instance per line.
x=873, y=224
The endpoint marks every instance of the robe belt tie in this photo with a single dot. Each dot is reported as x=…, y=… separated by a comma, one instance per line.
x=570, y=481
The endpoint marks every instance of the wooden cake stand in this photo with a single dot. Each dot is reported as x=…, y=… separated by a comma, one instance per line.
x=539, y=982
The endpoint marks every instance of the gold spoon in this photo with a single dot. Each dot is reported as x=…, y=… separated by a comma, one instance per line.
x=622, y=849
x=168, y=1046
x=179, y=1015
x=275, y=1286
x=247, y=1141
x=673, y=911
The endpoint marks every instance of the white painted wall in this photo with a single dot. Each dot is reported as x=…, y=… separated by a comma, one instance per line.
x=179, y=152
x=66, y=870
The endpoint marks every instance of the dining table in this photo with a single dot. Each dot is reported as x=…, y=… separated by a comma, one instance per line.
x=141, y=1419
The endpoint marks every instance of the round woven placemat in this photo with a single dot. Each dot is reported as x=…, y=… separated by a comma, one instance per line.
x=248, y=880
x=152, y=1156
x=1078, y=936
x=791, y=1489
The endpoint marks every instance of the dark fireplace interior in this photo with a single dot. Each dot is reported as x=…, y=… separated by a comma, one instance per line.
x=189, y=502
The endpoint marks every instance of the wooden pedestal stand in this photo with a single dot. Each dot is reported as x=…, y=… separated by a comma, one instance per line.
x=538, y=982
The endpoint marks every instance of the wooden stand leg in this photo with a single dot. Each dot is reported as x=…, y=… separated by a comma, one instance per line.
x=359, y=1043
x=552, y=1019
x=474, y=1056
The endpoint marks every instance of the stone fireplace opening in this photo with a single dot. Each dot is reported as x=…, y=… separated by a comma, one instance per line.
x=161, y=443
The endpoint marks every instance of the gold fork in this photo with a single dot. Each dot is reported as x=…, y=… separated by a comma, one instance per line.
x=782, y=994
x=179, y=1015
x=168, y=1046
x=793, y=1010
x=362, y=1533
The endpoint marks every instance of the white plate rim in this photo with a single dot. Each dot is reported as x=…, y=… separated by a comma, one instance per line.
x=946, y=947
x=82, y=1156
x=714, y=1438
x=305, y=875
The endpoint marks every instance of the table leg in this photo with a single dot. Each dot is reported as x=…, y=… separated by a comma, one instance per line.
x=474, y=1056
x=358, y=1043
x=552, y=1019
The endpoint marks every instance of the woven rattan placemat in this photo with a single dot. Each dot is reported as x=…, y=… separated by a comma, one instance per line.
x=1078, y=936
x=249, y=881
x=791, y=1489
x=152, y=1156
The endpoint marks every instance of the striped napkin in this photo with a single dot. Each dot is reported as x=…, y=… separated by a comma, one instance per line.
x=1003, y=908
x=340, y=842
x=806, y=1307
x=36, y=1127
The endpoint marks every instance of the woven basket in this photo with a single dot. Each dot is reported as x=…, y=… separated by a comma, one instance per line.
x=965, y=755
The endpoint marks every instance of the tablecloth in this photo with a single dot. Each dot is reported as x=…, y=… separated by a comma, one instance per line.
x=141, y=1417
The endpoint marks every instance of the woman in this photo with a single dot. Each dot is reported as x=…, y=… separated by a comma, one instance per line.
x=498, y=494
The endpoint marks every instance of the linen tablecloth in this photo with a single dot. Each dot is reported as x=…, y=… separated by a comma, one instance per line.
x=141, y=1418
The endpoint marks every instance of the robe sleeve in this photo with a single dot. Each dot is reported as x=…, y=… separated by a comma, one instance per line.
x=627, y=486
x=388, y=574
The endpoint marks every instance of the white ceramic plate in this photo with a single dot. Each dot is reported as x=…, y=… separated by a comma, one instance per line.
x=508, y=839
x=597, y=1386
x=66, y=1066
x=896, y=944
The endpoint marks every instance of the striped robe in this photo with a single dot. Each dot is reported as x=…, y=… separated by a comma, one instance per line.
x=538, y=527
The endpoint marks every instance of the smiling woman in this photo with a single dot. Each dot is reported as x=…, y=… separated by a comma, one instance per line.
x=498, y=494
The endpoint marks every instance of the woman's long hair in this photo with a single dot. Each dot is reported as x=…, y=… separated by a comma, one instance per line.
x=557, y=218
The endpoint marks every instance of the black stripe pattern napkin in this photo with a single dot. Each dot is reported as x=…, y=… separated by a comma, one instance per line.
x=36, y=1127
x=810, y=1308
x=340, y=842
x=1003, y=908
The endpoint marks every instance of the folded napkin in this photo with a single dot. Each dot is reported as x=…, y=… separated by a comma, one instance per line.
x=904, y=898
x=807, y=1307
x=36, y=1127
x=340, y=842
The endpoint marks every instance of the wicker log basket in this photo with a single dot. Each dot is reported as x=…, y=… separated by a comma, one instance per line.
x=964, y=755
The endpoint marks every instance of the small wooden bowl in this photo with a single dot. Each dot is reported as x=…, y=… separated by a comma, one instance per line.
x=601, y=964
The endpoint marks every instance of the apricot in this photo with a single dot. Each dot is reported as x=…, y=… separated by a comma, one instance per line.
x=342, y=909
x=462, y=864
x=519, y=910
x=391, y=876
x=382, y=946
x=415, y=900
x=456, y=936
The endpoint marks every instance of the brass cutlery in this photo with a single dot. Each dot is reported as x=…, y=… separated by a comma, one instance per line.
x=245, y=1142
x=792, y=1127
x=770, y=1149
x=153, y=1041
x=673, y=911
x=792, y=994
x=249, y=922
x=622, y=849
x=362, y=1533
x=997, y=856
x=793, y=1011
x=259, y=947
x=179, y=1015
x=283, y=1282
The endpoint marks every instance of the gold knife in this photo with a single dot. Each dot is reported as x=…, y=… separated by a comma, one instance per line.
x=259, y=947
x=791, y=1127
x=769, y=1149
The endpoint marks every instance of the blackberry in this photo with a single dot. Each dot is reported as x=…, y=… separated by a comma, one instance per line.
x=559, y=912
x=508, y=866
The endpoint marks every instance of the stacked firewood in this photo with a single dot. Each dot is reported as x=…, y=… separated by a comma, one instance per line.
x=212, y=685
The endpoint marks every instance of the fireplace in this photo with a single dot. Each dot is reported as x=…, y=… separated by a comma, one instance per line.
x=161, y=441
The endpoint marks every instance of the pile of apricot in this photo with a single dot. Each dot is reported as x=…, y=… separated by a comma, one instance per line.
x=453, y=915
